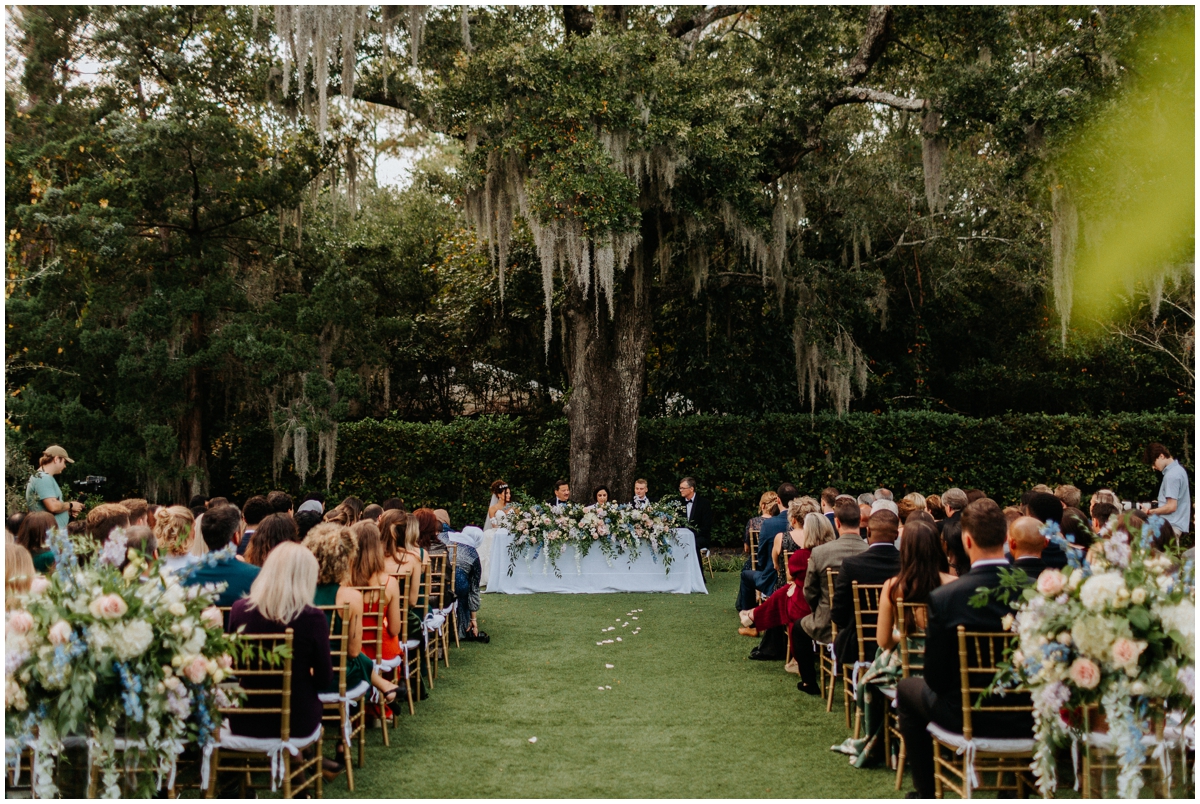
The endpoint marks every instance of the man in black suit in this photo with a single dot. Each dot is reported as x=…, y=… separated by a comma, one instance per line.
x=1048, y=508
x=1025, y=546
x=699, y=515
x=562, y=494
x=641, y=494
x=938, y=696
x=880, y=561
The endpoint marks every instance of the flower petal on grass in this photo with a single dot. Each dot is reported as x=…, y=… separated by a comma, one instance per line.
x=609, y=666
x=533, y=739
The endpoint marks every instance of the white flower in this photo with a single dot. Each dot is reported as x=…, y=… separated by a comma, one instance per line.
x=177, y=609
x=1138, y=596
x=1180, y=617
x=1076, y=578
x=1187, y=677
x=1100, y=590
x=134, y=639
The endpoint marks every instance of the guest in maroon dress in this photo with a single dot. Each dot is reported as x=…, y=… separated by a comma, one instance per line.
x=786, y=605
x=280, y=598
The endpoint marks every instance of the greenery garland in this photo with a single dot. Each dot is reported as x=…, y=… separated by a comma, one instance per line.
x=539, y=529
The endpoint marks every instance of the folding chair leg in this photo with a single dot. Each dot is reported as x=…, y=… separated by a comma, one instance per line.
x=384, y=716
x=444, y=638
x=454, y=616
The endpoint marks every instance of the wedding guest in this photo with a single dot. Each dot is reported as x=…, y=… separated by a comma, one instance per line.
x=922, y=569
x=954, y=501
x=1101, y=513
x=699, y=516
x=152, y=514
x=104, y=517
x=254, y=511
x=281, y=597
x=174, y=530
x=42, y=492
x=828, y=499
x=12, y=523
x=1025, y=546
x=599, y=496
x=272, y=531
x=641, y=493
x=865, y=501
x=980, y=494
x=1076, y=528
x=1106, y=496
x=372, y=512
x=141, y=539
x=830, y=556
x=35, y=526
x=765, y=578
x=467, y=575
x=305, y=521
x=787, y=605
x=280, y=502
x=909, y=503
x=400, y=533
x=221, y=527
x=355, y=506
x=341, y=515
x=937, y=696
x=367, y=569
x=1070, y=496
x=1012, y=514
x=1174, y=493
x=768, y=506
x=18, y=573
x=1045, y=507
x=884, y=494
x=562, y=493
x=139, y=511
x=443, y=518
x=880, y=561
x=429, y=526
x=934, y=503
x=311, y=503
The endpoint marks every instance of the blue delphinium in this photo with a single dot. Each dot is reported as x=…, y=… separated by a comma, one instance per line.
x=132, y=685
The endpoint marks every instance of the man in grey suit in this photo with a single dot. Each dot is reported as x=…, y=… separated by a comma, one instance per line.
x=830, y=556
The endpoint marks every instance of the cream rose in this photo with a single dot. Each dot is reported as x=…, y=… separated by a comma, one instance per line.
x=108, y=607
x=38, y=585
x=1125, y=652
x=20, y=622
x=60, y=633
x=1051, y=582
x=1084, y=673
x=196, y=670
x=177, y=609
x=211, y=616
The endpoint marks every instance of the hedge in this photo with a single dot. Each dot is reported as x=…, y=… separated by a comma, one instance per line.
x=735, y=459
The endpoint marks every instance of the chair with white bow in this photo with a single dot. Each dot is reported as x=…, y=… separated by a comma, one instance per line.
x=338, y=704
x=912, y=660
x=267, y=660
x=374, y=625
x=1163, y=734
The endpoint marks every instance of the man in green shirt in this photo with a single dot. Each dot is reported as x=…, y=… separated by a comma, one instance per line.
x=43, y=493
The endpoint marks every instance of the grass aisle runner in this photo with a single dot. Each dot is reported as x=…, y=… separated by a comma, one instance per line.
x=687, y=715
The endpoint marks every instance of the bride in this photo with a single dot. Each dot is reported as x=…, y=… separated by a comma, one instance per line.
x=498, y=509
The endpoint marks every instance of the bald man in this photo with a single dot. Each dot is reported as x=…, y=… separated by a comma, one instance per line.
x=1026, y=543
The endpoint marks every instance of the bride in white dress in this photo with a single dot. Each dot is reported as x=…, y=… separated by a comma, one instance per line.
x=498, y=509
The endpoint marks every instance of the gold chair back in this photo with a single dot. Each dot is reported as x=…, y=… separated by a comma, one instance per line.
x=866, y=615
x=754, y=548
x=979, y=656
x=912, y=656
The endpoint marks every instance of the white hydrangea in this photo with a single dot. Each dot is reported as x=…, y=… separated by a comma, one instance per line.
x=1180, y=617
x=1100, y=590
x=135, y=638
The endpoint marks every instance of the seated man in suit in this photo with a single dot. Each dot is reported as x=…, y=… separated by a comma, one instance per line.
x=1025, y=546
x=1045, y=508
x=938, y=696
x=699, y=516
x=880, y=561
x=562, y=494
x=830, y=556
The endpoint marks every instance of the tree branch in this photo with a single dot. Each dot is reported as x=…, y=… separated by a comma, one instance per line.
x=682, y=25
x=870, y=47
x=868, y=95
x=579, y=20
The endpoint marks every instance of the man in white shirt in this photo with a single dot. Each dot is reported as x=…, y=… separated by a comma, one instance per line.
x=641, y=493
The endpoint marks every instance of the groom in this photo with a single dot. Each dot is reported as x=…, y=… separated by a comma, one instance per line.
x=699, y=516
x=562, y=494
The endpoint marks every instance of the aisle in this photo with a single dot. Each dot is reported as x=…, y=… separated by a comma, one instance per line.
x=688, y=714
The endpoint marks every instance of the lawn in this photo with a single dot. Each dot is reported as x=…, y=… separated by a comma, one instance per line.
x=687, y=715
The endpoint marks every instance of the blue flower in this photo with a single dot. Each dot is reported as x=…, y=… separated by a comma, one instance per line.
x=132, y=685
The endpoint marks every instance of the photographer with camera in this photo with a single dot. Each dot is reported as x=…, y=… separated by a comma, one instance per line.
x=43, y=493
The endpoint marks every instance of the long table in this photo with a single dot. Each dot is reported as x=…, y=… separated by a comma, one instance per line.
x=592, y=574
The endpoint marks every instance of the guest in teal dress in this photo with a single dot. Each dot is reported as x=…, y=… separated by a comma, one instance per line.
x=335, y=548
x=32, y=536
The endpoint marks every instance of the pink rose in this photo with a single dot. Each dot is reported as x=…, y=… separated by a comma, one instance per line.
x=1126, y=652
x=196, y=670
x=1084, y=673
x=212, y=616
x=20, y=621
x=60, y=633
x=1051, y=582
x=108, y=607
x=225, y=661
x=39, y=584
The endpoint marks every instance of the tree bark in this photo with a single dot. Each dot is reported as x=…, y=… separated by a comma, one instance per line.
x=606, y=361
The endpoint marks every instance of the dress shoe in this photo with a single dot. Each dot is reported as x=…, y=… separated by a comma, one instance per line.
x=750, y=632
x=811, y=689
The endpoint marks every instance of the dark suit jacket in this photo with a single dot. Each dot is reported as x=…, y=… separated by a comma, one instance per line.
x=767, y=578
x=949, y=607
x=701, y=520
x=872, y=566
x=1031, y=565
x=1054, y=556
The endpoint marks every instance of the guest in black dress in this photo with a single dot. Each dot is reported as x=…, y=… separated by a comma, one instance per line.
x=280, y=598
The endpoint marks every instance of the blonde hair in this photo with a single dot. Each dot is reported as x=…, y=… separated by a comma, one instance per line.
x=817, y=531
x=766, y=501
x=412, y=532
x=341, y=515
x=199, y=547
x=286, y=583
x=18, y=572
x=173, y=529
x=917, y=500
x=807, y=504
x=335, y=549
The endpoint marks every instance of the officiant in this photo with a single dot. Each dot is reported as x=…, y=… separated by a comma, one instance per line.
x=699, y=515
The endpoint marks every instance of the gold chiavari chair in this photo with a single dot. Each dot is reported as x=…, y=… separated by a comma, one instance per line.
x=233, y=754
x=866, y=613
x=912, y=659
x=411, y=666
x=827, y=664
x=960, y=760
x=373, y=634
x=754, y=532
x=435, y=600
x=452, y=589
x=337, y=705
x=1100, y=759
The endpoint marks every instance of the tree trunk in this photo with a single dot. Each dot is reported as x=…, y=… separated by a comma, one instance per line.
x=195, y=463
x=606, y=362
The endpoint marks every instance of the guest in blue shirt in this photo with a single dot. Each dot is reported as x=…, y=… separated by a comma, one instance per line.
x=1174, y=494
x=765, y=576
x=221, y=527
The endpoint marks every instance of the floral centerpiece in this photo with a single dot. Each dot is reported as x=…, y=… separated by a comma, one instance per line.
x=116, y=650
x=1117, y=629
x=615, y=529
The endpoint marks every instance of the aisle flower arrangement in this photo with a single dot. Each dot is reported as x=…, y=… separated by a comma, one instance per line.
x=122, y=657
x=616, y=529
x=1115, y=628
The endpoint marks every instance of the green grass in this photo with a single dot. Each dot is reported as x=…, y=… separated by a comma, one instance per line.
x=688, y=716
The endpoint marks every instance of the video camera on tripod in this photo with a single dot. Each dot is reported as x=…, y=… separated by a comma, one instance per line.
x=90, y=484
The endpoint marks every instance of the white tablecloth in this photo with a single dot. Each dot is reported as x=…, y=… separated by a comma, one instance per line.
x=593, y=574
